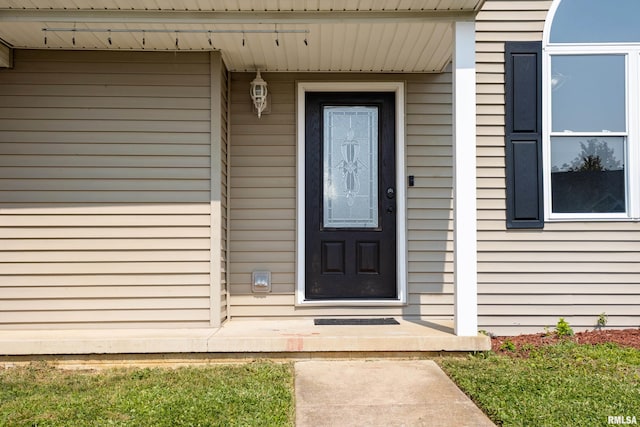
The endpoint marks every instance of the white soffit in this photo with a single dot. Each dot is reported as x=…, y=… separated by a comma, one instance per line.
x=341, y=35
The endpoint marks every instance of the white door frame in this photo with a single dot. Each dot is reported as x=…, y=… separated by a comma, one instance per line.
x=401, y=238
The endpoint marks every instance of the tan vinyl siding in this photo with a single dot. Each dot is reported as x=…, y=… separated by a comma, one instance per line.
x=262, y=196
x=104, y=190
x=530, y=278
x=430, y=225
x=263, y=208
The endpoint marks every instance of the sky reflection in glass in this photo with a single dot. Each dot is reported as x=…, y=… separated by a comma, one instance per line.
x=588, y=93
x=596, y=21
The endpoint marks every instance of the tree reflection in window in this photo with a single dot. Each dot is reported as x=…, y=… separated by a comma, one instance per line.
x=596, y=155
x=592, y=182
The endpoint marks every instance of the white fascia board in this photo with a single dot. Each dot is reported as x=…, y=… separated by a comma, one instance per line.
x=229, y=17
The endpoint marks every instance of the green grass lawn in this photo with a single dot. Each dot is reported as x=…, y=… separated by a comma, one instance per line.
x=254, y=394
x=565, y=384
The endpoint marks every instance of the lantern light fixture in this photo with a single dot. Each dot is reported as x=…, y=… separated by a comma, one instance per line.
x=258, y=93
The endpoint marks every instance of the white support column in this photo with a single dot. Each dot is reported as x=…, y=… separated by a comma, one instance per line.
x=464, y=181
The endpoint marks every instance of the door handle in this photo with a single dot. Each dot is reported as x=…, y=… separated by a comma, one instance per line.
x=390, y=209
x=391, y=193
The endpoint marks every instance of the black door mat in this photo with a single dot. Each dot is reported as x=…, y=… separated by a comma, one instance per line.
x=356, y=322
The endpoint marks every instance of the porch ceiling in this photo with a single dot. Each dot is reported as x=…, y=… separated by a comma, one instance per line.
x=340, y=35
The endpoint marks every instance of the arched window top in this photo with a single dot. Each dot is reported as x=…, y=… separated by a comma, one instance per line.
x=596, y=21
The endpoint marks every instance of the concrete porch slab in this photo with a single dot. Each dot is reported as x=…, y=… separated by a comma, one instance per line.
x=303, y=336
x=104, y=341
x=250, y=336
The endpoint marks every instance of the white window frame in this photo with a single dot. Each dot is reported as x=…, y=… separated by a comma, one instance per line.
x=401, y=237
x=632, y=134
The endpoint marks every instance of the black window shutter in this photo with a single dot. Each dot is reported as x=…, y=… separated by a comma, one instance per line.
x=523, y=134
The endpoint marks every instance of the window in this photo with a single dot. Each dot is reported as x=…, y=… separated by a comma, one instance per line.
x=592, y=115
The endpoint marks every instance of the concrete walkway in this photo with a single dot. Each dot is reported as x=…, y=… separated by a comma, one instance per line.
x=380, y=393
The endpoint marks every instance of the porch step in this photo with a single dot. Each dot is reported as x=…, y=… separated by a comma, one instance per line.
x=250, y=336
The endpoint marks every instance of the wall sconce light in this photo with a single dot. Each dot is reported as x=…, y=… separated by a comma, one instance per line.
x=259, y=93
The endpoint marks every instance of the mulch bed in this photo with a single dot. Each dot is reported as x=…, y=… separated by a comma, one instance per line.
x=622, y=337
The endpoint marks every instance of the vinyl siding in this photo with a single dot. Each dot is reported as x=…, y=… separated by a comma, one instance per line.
x=530, y=278
x=263, y=208
x=104, y=190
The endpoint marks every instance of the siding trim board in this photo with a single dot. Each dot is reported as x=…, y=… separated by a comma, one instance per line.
x=227, y=221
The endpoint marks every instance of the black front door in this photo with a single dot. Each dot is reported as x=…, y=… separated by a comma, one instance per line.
x=350, y=196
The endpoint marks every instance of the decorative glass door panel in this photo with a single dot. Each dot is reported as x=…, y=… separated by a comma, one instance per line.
x=350, y=162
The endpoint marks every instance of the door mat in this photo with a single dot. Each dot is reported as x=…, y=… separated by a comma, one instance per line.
x=356, y=322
